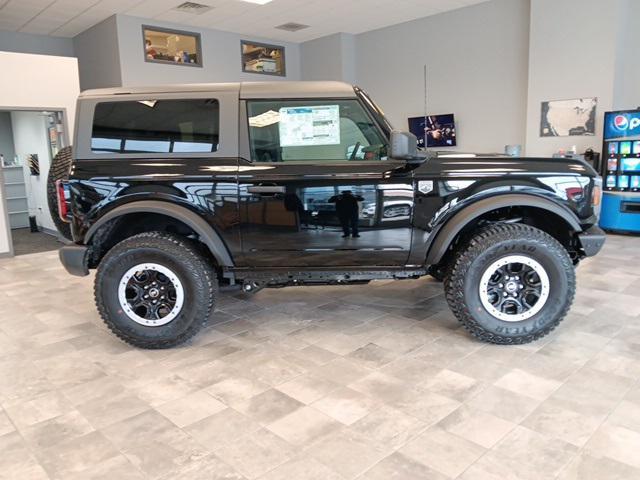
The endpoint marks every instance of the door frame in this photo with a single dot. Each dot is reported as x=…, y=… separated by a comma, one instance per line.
x=66, y=137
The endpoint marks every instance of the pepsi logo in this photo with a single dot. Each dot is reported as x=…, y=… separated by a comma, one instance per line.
x=621, y=122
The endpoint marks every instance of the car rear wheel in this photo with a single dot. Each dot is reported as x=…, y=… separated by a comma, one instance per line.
x=155, y=290
x=511, y=284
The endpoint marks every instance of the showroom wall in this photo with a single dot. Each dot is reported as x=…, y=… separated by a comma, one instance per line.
x=477, y=68
x=25, y=88
x=627, y=82
x=99, y=55
x=111, y=54
x=220, y=52
x=572, y=54
x=329, y=58
x=491, y=64
x=39, y=44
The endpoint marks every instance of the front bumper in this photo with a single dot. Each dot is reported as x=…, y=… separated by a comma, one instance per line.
x=74, y=259
x=592, y=240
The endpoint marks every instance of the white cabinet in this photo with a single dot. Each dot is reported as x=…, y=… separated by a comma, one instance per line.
x=16, y=197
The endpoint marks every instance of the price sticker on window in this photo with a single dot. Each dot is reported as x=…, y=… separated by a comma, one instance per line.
x=308, y=126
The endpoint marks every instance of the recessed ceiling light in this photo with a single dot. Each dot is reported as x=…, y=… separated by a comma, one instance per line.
x=259, y=2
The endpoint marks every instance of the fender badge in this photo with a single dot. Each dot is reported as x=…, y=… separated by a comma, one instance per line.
x=425, y=186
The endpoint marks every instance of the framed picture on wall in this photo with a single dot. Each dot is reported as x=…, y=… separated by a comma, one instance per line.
x=262, y=58
x=174, y=47
x=568, y=118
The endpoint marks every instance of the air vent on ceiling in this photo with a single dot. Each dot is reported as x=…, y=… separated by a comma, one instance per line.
x=193, y=8
x=292, y=26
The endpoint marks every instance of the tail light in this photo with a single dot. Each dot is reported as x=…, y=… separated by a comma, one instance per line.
x=63, y=200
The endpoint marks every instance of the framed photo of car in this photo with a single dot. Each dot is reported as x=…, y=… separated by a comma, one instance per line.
x=263, y=58
x=173, y=47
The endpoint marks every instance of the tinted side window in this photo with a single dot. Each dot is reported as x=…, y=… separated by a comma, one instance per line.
x=156, y=126
x=312, y=130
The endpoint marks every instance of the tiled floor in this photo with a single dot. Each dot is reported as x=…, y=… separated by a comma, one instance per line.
x=368, y=382
x=25, y=241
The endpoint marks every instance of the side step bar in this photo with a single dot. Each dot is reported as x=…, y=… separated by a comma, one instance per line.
x=252, y=281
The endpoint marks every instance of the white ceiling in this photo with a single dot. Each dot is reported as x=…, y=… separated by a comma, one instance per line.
x=67, y=18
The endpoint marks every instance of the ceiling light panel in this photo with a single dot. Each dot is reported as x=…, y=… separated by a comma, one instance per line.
x=255, y=18
x=15, y=13
x=55, y=15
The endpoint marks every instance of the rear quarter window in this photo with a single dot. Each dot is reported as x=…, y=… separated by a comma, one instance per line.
x=156, y=126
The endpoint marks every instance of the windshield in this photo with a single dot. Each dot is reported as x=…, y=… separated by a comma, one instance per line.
x=376, y=111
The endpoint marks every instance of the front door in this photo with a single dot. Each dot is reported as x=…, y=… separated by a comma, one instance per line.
x=319, y=190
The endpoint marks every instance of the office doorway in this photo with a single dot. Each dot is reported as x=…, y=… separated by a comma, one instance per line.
x=29, y=140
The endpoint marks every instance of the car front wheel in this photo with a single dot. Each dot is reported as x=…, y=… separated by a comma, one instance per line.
x=511, y=284
x=155, y=290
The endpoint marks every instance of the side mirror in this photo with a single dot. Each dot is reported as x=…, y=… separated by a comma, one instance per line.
x=404, y=146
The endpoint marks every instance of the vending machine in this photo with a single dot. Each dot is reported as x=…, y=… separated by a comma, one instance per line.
x=621, y=172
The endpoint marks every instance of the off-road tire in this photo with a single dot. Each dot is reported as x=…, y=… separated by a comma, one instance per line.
x=486, y=246
x=59, y=170
x=182, y=257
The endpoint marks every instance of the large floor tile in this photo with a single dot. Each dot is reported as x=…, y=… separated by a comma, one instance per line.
x=336, y=382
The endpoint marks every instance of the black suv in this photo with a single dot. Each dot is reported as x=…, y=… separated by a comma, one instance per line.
x=177, y=192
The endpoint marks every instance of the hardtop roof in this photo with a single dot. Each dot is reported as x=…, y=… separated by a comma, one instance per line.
x=283, y=89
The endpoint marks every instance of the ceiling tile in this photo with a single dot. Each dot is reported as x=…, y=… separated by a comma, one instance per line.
x=67, y=18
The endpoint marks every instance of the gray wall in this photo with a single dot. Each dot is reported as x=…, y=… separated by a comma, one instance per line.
x=220, y=52
x=627, y=81
x=99, y=55
x=572, y=55
x=38, y=44
x=329, y=58
x=477, y=60
x=6, y=136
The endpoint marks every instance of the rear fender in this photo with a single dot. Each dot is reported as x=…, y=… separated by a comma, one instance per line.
x=205, y=232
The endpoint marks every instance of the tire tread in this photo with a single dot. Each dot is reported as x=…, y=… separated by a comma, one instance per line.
x=480, y=242
x=179, y=248
x=59, y=170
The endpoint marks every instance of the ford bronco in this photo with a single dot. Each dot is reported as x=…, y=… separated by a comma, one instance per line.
x=177, y=192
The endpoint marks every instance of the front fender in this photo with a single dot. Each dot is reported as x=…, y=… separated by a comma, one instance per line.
x=451, y=223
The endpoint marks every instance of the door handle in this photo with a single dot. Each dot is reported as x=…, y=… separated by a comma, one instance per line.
x=265, y=189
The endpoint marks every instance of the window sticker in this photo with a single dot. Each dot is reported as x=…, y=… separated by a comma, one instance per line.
x=308, y=126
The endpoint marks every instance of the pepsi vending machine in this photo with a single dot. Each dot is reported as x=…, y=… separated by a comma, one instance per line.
x=621, y=172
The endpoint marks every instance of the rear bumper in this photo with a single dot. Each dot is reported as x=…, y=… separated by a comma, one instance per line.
x=74, y=259
x=592, y=240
